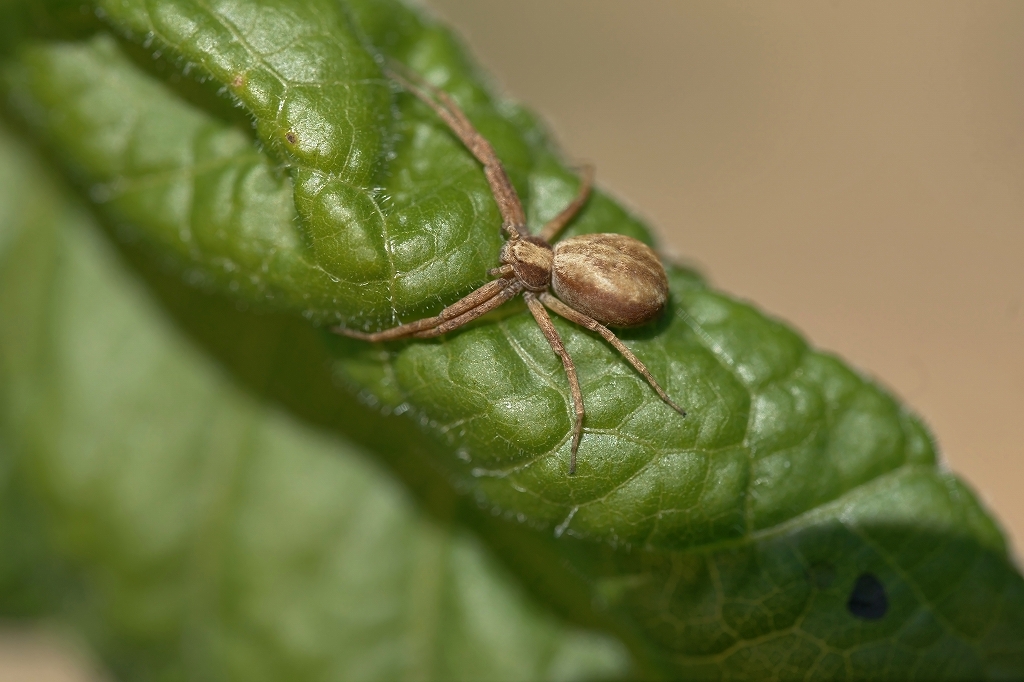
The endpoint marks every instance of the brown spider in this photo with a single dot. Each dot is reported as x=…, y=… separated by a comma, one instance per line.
x=607, y=278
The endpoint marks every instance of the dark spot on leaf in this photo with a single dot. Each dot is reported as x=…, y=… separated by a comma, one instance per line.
x=868, y=599
x=291, y=137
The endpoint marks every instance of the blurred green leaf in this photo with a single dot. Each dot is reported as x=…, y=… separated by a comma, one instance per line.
x=794, y=525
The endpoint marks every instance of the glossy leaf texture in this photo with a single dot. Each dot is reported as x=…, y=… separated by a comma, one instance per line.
x=794, y=525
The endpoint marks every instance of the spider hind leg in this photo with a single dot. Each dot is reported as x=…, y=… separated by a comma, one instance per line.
x=573, y=315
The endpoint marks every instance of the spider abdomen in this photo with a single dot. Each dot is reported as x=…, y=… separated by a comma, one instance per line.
x=614, y=279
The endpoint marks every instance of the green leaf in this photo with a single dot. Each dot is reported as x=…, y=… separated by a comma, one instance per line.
x=204, y=535
x=755, y=538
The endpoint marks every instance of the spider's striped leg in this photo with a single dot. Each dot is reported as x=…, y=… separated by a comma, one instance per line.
x=579, y=318
x=471, y=301
x=555, y=341
x=510, y=291
x=512, y=214
x=551, y=230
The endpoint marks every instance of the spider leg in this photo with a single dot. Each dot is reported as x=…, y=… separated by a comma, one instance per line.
x=555, y=341
x=467, y=303
x=503, y=271
x=579, y=318
x=513, y=217
x=511, y=291
x=551, y=230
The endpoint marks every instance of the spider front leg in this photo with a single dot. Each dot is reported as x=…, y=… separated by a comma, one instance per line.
x=487, y=297
x=556, y=344
x=510, y=291
x=513, y=216
x=590, y=323
x=551, y=230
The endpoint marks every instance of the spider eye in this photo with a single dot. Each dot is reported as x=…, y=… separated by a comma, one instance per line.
x=614, y=279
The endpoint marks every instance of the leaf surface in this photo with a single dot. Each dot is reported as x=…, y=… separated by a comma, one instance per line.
x=191, y=532
x=795, y=524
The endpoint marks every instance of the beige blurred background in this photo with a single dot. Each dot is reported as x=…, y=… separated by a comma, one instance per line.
x=855, y=168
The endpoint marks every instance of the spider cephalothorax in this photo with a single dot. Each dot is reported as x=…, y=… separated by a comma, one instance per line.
x=599, y=279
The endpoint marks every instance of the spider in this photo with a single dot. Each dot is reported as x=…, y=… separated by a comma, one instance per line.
x=599, y=279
